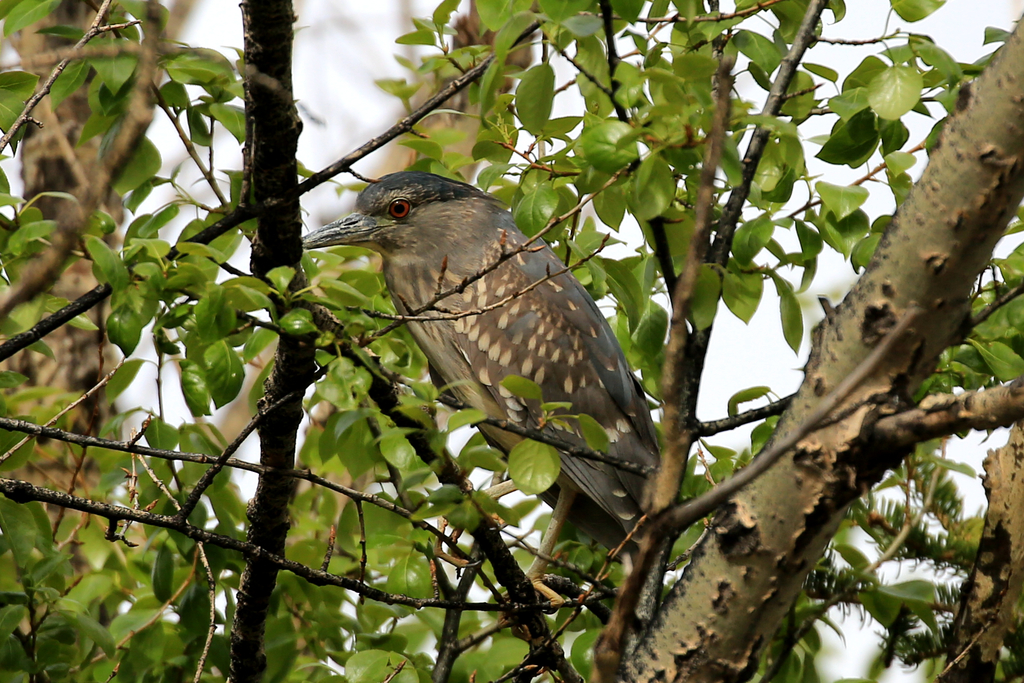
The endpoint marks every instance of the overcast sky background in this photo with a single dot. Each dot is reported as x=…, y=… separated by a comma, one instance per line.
x=343, y=46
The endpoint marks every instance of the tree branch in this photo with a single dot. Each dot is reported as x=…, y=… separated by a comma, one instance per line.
x=988, y=604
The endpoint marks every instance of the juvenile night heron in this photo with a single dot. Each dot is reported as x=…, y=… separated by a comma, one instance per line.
x=432, y=233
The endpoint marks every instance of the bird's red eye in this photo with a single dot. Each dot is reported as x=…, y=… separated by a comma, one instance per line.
x=399, y=208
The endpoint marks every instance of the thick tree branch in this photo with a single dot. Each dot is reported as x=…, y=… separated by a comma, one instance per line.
x=944, y=414
x=663, y=490
x=743, y=578
x=275, y=126
x=988, y=606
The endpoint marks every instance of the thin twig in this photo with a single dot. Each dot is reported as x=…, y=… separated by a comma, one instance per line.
x=753, y=415
x=189, y=147
x=71, y=406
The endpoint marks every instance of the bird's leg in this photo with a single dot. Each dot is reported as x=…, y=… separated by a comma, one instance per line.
x=501, y=489
x=547, y=545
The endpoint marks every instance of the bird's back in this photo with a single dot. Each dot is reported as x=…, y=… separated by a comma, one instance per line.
x=552, y=333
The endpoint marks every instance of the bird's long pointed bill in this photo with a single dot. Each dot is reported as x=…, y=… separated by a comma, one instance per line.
x=351, y=229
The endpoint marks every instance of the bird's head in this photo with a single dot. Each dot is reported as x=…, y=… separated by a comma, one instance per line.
x=413, y=212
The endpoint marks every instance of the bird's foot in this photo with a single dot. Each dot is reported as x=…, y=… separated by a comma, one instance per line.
x=554, y=598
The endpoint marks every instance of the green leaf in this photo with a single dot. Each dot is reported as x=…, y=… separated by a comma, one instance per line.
x=841, y=200
x=594, y=433
x=199, y=67
x=281, y=277
x=19, y=530
x=419, y=37
x=28, y=12
x=410, y=576
x=535, y=209
x=533, y=466
x=899, y=162
x=231, y=117
x=21, y=84
x=111, y=268
x=443, y=12
x=916, y=10
x=142, y=166
x=297, y=322
x=792, y=316
x=759, y=49
x=258, y=341
x=559, y=10
x=10, y=109
x=910, y=590
x=397, y=450
x=751, y=238
x=627, y=290
x=628, y=9
x=705, y=297
x=534, y=97
x=10, y=617
x=884, y=608
x=895, y=91
x=852, y=141
x=751, y=394
x=654, y=187
x=163, y=573
x=741, y=292
x=214, y=318
x=114, y=72
x=1001, y=360
x=649, y=337
x=10, y=379
x=94, y=631
x=608, y=146
x=124, y=328
x=224, y=372
x=468, y=416
x=828, y=73
x=193, y=387
x=522, y=387
x=123, y=378
x=161, y=435
x=368, y=666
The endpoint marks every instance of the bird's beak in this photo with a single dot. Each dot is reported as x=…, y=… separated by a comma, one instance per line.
x=352, y=229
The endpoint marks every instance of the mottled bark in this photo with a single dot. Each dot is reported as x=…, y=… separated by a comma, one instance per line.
x=992, y=591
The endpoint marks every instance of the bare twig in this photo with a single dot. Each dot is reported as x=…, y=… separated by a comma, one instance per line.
x=189, y=147
x=728, y=423
x=71, y=406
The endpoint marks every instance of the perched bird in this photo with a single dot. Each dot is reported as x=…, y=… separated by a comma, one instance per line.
x=432, y=233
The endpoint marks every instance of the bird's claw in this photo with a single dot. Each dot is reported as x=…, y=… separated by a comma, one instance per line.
x=554, y=598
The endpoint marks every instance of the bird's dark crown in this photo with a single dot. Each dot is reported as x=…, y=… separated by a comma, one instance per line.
x=418, y=187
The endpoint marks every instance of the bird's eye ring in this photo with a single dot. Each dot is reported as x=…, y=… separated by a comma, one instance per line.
x=399, y=208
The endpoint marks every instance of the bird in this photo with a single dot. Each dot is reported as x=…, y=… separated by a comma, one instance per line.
x=532, y=318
